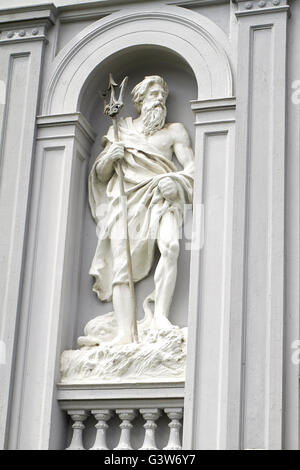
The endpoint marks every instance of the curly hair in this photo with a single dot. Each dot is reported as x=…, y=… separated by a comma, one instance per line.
x=140, y=90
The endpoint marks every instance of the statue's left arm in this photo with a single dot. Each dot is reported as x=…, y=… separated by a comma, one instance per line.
x=182, y=148
x=184, y=154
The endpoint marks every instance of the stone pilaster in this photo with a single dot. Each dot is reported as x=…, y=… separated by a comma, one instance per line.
x=257, y=306
x=23, y=33
x=210, y=324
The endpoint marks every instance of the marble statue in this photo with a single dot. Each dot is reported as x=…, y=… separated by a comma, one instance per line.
x=156, y=192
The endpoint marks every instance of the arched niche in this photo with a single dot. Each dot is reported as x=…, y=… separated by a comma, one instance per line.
x=136, y=63
x=204, y=46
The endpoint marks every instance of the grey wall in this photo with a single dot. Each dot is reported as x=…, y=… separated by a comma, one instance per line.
x=220, y=14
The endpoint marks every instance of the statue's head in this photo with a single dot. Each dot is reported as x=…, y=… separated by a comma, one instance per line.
x=149, y=98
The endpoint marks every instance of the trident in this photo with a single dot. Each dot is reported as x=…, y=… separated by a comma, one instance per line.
x=112, y=109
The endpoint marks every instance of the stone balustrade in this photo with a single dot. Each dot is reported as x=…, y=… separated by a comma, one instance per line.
x=127, y=418
x=123, y=417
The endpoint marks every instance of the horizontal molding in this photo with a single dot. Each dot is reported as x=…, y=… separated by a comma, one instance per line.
x=83, y=396
x=18, y=41
x=196, y=3
x=260, y=7
x=114, y=387
x=120, y=3
x=121, y=403
x=100, y=4
x=20, y=35
x=214, y=112
x=56, y=136
x=34, y=13
x=62, y=120
x=217, y=121
x=220, y=104
x=92, y=14
x=253, y=2
x=264, y=11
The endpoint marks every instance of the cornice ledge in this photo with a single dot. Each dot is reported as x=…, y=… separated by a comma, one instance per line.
x=219, y=104
x=168, y=386
x=101, y=8
x=97, y=4
x=263, y=3
x=258, y=7
x=195, y=3
x=86, y=396
x=28, y=14
x=121, y=3
x=62, y=120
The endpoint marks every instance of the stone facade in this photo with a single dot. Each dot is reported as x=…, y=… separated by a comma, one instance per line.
x=234, y=75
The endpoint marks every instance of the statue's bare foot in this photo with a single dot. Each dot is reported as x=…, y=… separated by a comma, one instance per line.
x=161, y=322
x=121, y=339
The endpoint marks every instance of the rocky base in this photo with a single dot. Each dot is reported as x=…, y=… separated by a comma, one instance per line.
x=160, y=356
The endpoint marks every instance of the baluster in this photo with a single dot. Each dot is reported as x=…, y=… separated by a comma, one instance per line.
x=175, y=415
x=150, y=415
x=78, y=416
x=102, y=416
x=126, y=416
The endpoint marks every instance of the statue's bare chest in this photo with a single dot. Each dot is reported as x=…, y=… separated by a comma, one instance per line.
x=163, y=141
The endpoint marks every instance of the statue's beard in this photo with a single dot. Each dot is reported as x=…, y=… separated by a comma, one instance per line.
x=154, y=117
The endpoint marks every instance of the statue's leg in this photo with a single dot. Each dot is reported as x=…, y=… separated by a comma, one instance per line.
x=121, y=296
x=166, y=271
x=123, y=311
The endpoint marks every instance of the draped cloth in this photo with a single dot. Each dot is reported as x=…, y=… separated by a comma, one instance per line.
x=143, y=167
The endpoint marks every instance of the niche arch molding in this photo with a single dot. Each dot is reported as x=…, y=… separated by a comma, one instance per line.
x=200, y=42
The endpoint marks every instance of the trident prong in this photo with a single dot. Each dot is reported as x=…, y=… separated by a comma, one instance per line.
x=115, y=105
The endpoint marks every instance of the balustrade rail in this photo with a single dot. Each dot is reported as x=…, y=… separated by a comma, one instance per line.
x=124, y=417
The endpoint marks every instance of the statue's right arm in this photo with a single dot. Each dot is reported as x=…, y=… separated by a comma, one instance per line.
x=105, y=166
x=108, y=157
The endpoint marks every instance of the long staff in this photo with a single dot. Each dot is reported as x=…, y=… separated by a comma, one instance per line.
x=113, y=109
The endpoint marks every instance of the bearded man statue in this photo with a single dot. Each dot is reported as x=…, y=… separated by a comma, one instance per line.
x=156, y=194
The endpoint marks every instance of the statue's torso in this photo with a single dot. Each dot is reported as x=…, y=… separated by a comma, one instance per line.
x=162, y=140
